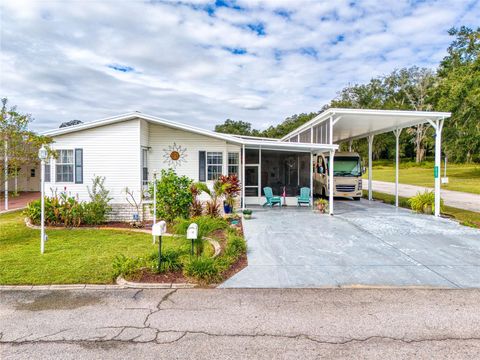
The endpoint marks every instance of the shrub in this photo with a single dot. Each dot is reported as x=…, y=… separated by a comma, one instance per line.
x=96, y=210
x=232, y=188
x=206, y=226
x=203, y=269
x=127, y=266
x=68, y=211
x=235, y=246
x=59, y=210
x=174, y=197
x=196, y=208
x=212, y=206
x=171, y=261
x=424, y=202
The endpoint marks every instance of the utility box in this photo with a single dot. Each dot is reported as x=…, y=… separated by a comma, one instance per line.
x=192, y=231
x=159, y=228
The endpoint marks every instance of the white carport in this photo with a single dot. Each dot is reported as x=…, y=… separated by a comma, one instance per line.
x=338, y=125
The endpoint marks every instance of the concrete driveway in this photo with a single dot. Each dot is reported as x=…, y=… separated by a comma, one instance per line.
x=364, y=244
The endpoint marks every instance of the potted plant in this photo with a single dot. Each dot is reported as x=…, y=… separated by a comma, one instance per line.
x=228, y=204
x=231, y=189
x=321, y=205
x=247, y=213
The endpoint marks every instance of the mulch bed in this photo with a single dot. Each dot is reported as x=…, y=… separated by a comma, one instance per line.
x=177, y=277
x=240, y=264
x=170, y=277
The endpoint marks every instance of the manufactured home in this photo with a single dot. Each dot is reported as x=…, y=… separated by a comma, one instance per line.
x=128, y=149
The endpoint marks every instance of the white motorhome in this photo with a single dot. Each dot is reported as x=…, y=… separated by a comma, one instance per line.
x=347, y=175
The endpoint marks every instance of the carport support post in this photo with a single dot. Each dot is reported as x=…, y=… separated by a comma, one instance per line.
x=397, y=133
x=243, y=177
x=438, y=126
x=311, y=178
x=330, y=182
x=370, y=146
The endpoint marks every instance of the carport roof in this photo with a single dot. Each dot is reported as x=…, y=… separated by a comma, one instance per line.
x=352, y=124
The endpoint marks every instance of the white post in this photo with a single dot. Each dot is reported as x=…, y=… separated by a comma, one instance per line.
x=42, y=205
x=243, y=177
x=350, y=143
x=154, y=202
x=438, y=155
x=6, y=174
x=397, y=133
x=370, y=149
x=311, y=179
x=330, y=182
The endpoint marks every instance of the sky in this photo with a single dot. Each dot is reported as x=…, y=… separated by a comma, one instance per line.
x=201, y=62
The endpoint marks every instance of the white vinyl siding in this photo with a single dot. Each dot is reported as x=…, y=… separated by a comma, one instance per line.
x=64, y=166
x=112, y=151
x=162, y=137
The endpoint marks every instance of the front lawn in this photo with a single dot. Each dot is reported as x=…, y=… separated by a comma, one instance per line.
x=462, y=177
x=71, y=255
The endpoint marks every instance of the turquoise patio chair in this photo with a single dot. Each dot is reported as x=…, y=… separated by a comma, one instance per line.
x=271, y=200
x=304, y=197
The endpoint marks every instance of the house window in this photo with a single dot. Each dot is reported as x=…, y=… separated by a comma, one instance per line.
x=214, y=165
x=47, y=171
x=32, y=172
x=145, y=167
x=233, y=163
x=64, y=166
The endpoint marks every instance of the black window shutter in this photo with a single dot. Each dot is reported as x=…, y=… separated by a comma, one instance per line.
x=78, y=166
x=202, y=166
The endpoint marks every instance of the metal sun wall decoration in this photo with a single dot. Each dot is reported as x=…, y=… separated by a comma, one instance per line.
x=175, y=155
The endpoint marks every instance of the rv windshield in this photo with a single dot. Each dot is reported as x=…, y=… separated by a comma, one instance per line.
x=346, y=166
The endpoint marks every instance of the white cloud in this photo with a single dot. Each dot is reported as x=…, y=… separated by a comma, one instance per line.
x=190, y=61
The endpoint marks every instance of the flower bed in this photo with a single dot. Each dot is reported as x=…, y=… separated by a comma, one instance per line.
x=180, y=266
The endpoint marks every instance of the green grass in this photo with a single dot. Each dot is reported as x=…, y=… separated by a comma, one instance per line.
x=465, y=217
x=462, y=177
x=71, y=255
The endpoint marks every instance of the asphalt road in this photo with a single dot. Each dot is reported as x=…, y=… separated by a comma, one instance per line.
x=457, y=199
x=240, y=324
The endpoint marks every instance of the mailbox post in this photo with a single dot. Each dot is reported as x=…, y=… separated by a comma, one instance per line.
x=159, y=229
x=192, y=233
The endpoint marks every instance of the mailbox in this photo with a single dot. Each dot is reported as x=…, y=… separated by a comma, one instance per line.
x=192, y=231
x=159, y=228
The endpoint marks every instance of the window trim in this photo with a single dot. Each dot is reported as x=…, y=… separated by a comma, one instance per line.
x=237, y=164
x=59, y=163
x=144, y=160
x=220, y=165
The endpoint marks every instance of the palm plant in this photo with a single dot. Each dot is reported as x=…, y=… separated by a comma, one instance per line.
x=212, y=206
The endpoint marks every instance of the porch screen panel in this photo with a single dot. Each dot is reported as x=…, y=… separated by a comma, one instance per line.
x=305, y=136
x=284, y=169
